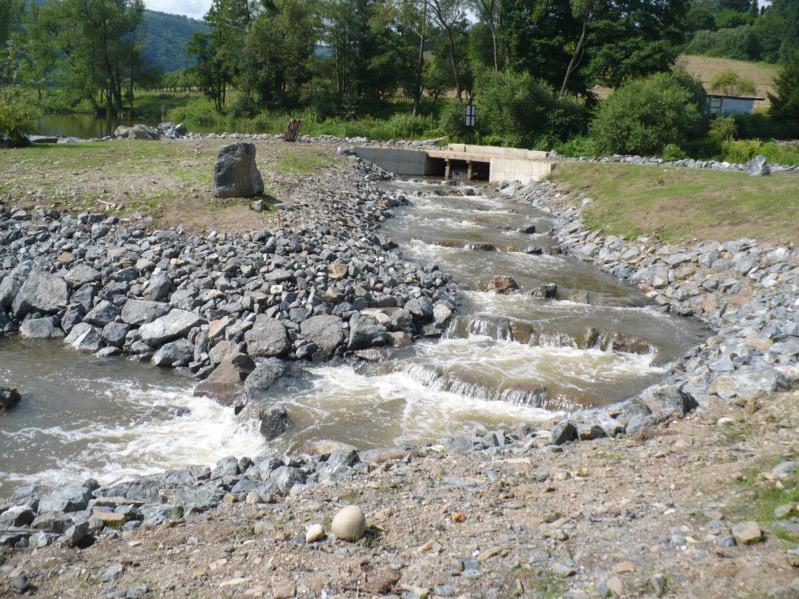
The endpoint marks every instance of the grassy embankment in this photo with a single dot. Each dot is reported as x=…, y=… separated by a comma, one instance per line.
x=705, y=68
x=677, y=204
x=172, y=182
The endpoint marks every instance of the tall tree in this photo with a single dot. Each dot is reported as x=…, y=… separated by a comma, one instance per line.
x=208, y=70
x=490, y=13
x=450, y=16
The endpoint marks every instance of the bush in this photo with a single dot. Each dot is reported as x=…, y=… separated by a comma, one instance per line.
x=519, y=111
x=673, y=152
x=16, y=118
x=730, y=83
x=244, y=106
x=785, y=103
x=744, y=150
x=645, y=115
x=578, y=146
x=723, y=128
x=740, y=43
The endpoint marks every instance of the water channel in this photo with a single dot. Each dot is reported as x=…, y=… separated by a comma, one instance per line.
x=506, y=360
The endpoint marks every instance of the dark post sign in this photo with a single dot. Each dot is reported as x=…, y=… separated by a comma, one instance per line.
x=471, y=115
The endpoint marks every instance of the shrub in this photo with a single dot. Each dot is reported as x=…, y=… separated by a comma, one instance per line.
x=645, y=115
x=518, y=110
x=673, y=152
x=785, y=103
x=730, y=83
x=740, y=43
x=244, y=106
x=744, y=150
x=578, y=146
x=16, y=118
x=723, y=128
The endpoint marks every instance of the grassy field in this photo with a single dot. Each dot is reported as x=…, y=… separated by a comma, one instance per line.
x=707, y=67
x=170, y=181
x=678, y=204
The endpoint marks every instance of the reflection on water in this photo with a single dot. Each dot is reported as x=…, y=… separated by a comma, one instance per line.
x=83, y=126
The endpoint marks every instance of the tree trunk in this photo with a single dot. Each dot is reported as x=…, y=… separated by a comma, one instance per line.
x=494, y=42
x=417, y=90
x=573, y=62
x=454, y=64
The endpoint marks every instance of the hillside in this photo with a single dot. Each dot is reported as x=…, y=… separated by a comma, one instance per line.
x=707, y=67
x=164, y=38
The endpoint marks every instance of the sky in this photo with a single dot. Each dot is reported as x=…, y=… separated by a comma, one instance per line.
x=190, y=8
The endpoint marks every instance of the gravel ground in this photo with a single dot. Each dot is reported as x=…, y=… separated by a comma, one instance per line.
x=635, y=517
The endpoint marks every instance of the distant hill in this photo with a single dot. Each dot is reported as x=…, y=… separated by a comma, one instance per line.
x=164, y=39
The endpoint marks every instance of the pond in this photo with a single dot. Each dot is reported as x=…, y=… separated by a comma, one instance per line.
x=84, y=126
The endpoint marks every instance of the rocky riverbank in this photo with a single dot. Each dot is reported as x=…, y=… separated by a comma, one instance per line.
x=745, y=290
x=506, y=513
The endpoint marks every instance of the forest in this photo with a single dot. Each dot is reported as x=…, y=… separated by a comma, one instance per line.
x=584, y=76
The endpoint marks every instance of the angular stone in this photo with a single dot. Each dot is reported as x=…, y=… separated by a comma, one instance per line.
x=267, y=338
x=41, y=292
x=41, y=328
x=747, y=533
x=236, y=174
x=137, y=312
x=177, y=323
x=265, y=374
x=81, y=274
x=225, y=383
x=174, y=354
x=325, y=332
x=365, y=332
x=84, y=337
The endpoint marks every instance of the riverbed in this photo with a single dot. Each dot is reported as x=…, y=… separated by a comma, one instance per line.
x=507, y=360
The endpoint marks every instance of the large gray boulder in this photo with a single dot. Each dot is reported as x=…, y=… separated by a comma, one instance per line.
x=236, y=174
x=264, y=376
x=136, y=312
x=267, y=338
x=325, y=332
x=138, y=132
x=41, y=292
x=9, y=286
x=174, y=354
x=757, y=167
x=169, y=327
x=365, y=332
x=41, y=328
x=81, y=274
x=84, y=337
x=226, y=383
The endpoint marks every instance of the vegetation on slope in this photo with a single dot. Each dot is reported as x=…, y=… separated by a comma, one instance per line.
x=677, y=204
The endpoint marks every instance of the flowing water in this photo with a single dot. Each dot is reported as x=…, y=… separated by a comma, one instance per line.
x=506, y=361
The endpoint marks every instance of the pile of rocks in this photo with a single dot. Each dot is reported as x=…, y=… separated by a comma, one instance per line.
x=164, y=130
x=745, y=290
x=76, y=514
x=108, y=286
x=757, y=166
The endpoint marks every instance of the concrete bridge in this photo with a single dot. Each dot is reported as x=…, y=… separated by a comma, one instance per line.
x=486, y=163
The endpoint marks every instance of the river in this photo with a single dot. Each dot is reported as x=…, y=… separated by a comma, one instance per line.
x=506, y=361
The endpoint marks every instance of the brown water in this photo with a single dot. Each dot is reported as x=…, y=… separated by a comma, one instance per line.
x=506, y=361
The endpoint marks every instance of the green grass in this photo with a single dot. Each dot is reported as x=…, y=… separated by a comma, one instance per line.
x=170, y=181
x=676, y=204
x=303, y=162
x=761, y=499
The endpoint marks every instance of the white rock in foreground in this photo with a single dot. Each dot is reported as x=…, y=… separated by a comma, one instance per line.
x=349, y=523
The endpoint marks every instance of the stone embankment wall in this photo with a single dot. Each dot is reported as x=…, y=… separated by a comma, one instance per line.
x=746, y=290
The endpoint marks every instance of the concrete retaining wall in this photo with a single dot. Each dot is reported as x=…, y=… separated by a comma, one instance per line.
x=515, y=169
x=399, y=162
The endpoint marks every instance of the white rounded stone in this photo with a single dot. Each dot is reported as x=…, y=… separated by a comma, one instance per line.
x=349, y=523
